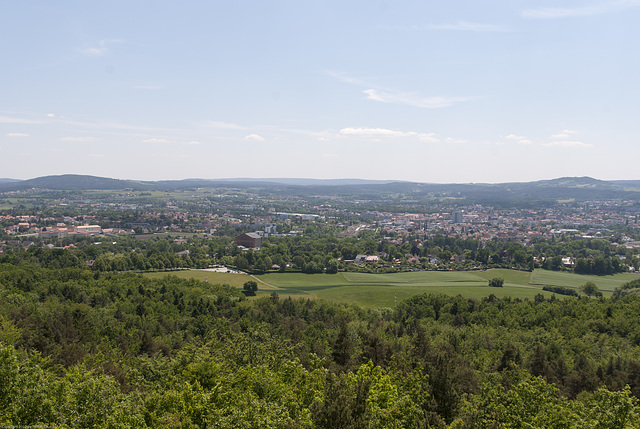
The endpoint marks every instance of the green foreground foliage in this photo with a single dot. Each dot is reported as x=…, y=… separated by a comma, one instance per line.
x=80, y=349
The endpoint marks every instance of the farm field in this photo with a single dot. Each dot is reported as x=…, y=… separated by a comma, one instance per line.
x=12, y=203
x=382, y=290
x=606, y=284
x=236, y=280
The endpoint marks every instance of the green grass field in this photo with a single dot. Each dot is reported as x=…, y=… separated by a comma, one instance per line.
x=11, y=203
x=236, y=280
x=381, y=290
x=605, y=283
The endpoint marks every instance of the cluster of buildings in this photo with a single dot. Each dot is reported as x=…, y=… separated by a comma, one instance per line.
x=513, y=225
x=31, y=226
x=274, y=215
x=62, y=230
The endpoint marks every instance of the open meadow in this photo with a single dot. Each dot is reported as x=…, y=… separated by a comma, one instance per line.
x=382, y=290
x=236, y=280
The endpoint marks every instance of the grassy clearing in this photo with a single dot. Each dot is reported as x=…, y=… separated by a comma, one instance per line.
x=558, y=278
x=381, y=290
x=12, y=203
x=376, y=296
x=236, y=280
x=300, y=280
x=509, y=276
x=413, y=278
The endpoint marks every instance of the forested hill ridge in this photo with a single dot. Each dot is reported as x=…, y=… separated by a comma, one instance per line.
x=566, y=188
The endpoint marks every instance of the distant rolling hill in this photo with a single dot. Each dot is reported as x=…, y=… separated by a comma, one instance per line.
x=307, y=182
x=86, y=182
x=564, y=188
x=73, y=182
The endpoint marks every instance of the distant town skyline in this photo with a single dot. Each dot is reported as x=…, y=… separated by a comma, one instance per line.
x=456, y=92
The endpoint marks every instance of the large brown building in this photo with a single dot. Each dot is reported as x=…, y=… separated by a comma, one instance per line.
x=249, y=239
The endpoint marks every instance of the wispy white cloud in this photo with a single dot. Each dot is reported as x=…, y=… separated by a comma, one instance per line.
x=567, y=143
x=555, y=12
x=92, y=126
x=10, y=120
x=376, y=93
x=159, y=140
x=413, y=99
x=99, y=50
x=451, y=140
x=17, y=135
x=383, y=133
x=93, y=51
x=222, y=125
x=156, y=140
x=373, y=132
x=320, y=135
x=594, y=9
x=468, y=26
x=111, y=126
x=254, y=138
x=79, y=139
x=347, y=78
x=566, y=138
x=564, y=134
x=518, y=139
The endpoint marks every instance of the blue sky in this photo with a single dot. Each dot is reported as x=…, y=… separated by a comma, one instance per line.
x=456, y=91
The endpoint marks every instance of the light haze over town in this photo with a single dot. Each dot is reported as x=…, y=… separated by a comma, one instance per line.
x=458, y=91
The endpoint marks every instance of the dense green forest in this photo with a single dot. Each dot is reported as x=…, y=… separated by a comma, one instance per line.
x=85, y=349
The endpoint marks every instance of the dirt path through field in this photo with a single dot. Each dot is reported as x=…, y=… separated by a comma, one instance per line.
x=272, y=287
x=269, y=286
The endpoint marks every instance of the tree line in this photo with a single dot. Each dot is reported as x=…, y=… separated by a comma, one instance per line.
x=317, y=253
